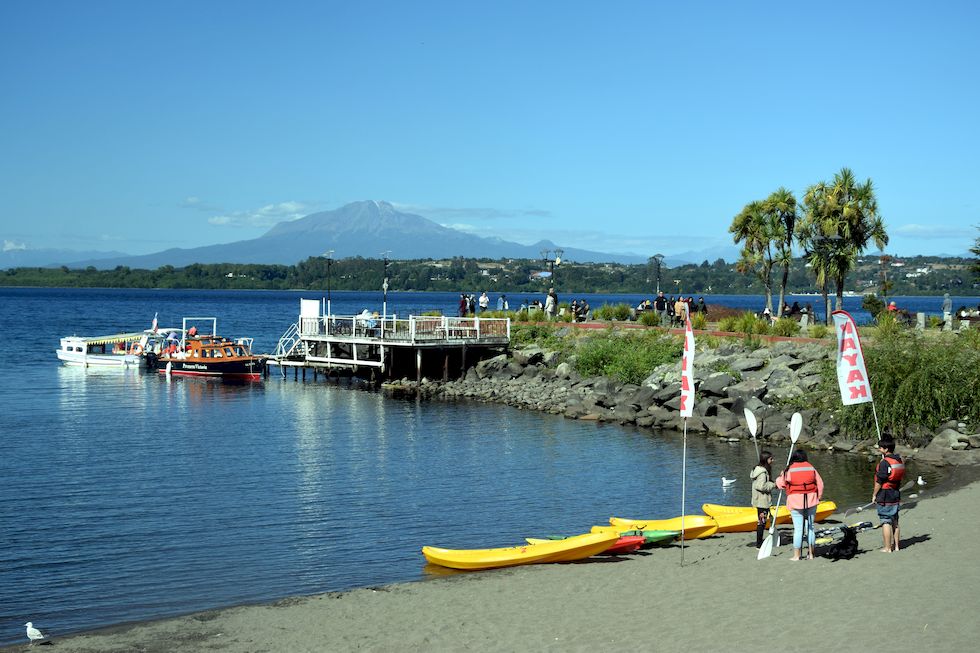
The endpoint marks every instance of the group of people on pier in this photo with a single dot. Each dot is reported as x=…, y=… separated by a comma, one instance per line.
x=470, y=305
x=672, y=311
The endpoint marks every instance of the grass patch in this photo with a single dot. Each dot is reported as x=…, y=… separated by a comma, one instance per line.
x=627, y=357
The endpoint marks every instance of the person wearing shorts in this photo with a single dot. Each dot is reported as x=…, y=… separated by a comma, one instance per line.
x=887, y=493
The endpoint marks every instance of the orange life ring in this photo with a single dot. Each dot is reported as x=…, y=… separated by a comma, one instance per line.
x=136, y=349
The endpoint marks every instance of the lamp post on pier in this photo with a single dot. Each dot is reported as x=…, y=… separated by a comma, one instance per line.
x=329, y=256
x=659, y=259
x=552, y=262
x=384, y=285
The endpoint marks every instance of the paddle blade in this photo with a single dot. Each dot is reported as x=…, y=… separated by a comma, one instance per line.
x=766, y=549
x=750, y=421
x=795, y=427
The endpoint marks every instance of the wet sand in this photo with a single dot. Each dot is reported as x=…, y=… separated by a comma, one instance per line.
x=921, y=598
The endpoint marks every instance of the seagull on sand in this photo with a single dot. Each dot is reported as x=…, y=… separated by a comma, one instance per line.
x=33, y=633
x=725, y=482
x=920, y=481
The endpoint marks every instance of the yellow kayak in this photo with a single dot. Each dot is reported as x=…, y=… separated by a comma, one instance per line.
x=578, y=547
x=695, y=526
x=738, y=519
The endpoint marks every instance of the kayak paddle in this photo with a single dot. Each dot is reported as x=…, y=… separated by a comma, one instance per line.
x=795, y=428
x=750, y=421
x=851, y=511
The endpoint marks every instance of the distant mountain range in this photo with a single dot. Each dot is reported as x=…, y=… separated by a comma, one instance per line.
x=363, y=229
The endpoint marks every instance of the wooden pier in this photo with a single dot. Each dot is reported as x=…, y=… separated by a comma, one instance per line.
x=388, y=347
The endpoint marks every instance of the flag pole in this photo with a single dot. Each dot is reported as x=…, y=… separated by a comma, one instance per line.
x=687, y=410
x=683, y=488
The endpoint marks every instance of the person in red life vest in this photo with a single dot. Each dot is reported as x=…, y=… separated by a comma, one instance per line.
x=892, y=307
x=804, y=488
x=887, y=493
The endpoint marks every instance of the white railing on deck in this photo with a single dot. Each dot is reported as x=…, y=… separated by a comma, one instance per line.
x=416, y=328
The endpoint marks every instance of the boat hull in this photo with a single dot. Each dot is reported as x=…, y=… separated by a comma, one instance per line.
x=244, y=369
x=742, y=519
x=571, y=549
x=98, y=360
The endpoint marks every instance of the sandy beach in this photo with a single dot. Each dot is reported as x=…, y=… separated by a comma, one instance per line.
x=721, y=598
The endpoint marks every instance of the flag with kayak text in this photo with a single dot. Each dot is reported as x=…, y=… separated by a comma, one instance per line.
x=852, y=374
x=687, y=371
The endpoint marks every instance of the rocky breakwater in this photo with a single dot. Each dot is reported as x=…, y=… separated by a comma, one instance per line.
x=772, y=381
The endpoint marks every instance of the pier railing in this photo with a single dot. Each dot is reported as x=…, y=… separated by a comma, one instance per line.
x=414, y=329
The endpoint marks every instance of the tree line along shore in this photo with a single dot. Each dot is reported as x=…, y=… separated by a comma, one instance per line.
x=921, y=275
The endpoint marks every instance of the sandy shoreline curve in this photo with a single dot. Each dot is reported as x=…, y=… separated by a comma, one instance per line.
x=722, y=598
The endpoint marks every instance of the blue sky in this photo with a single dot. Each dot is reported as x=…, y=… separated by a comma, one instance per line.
x=621, y=127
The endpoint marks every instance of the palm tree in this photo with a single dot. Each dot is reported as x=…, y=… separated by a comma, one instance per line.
x=781, y=207
x=753, y=227
x=815, y=248
x=845, y=214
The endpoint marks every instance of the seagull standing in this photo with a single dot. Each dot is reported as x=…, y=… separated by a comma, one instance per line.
x=921, y=482
x=33, y=633
x=725, y=482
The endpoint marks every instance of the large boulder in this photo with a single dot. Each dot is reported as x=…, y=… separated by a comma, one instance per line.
x=528, y=356
x=950, y=439
x=716, y=384
x=643, y=397
x=747, y=364
x=747, y=389
x=787, y=361
x=669, y=391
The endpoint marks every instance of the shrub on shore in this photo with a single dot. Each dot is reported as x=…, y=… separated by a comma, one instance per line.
x=918, y=383
x=650, y=318
x=819, y=331
x=786, y=326
x=627, y=357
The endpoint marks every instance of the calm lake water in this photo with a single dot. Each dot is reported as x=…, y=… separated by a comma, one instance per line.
x=125, y=496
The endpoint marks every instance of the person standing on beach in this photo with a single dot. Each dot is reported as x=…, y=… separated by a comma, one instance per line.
x=484, y=302
x=804, y=488
x=762, y=487
x=887, y=493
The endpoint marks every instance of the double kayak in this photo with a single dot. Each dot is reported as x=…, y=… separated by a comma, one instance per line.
x=739, y=519
x=694, y=527
x=570, y=549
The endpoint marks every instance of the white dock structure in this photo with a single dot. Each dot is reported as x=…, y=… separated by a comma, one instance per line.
x=387, y=346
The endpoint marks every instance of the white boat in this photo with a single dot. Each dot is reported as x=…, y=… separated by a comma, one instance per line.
x=117, y=350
